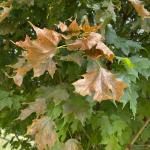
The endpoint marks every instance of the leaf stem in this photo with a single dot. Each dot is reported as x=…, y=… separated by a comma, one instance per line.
x=62, y=46
x=137, y=134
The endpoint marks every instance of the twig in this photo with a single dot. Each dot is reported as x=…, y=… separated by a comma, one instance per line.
x=137, y=134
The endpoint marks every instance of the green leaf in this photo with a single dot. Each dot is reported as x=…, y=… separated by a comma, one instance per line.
x=142, y=65
x=78, y=106
x=9, y=100
x=126, y=46
x=131, y=96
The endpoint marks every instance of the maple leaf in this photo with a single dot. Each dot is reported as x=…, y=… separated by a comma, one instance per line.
x=39, y=106
x=93, y=46
x=39, y=53
x=72, y=144
x=139, y=7
x=102, y=85
x=44, y=131
x=7, y=6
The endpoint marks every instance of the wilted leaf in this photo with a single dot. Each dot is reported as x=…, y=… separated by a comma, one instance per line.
x=93, y=46
x=86, y=43
x=40, y=52
x=139, y=7
x=44, y=131
x=7, y=6
x=102, y=85
x=39, y=106
x=72, y=144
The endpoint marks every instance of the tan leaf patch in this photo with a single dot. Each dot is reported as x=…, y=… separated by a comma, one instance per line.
x=39, y=106
x=139, y=7
x=72, y=144
x=44, y=131
x=102, y=85
x=7, y=6
x=63, y=27
x=20, y=73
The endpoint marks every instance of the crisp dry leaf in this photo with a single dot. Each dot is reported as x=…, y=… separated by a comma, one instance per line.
x=44, y=131
x=7, y=6
x=139, y=7
x=93, y=46
x=39, y=53
x=72, y=144
x=39, y=106
x=102, y=85
x=86, y=43
x=63, y=27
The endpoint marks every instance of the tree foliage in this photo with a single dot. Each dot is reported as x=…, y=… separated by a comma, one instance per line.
x=75, y=74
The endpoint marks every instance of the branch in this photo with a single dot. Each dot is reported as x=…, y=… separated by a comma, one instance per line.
x=137, y=135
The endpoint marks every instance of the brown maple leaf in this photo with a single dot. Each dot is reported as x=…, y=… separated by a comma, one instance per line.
x=39, y=52
x=139, y=7
x=93, y=46
x=39, y=106
x=44, y=131
x=102, y=85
